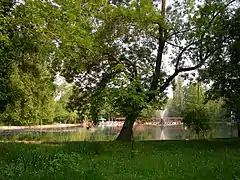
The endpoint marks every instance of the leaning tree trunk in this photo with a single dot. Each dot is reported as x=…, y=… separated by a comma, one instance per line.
x=126, y=132
x=237, y=116
x=238, y=127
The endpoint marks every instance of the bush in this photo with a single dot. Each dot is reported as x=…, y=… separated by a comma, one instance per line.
x=197, y=119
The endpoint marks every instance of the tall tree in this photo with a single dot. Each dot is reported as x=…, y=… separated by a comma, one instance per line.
x=7, y=91
x=176, y=105
x=61, y=112
x=223, y=69
x=121, y=45
x=196, y=113
x=130, y=33
x=195, y=95
x=199, y=115
x=25, y=71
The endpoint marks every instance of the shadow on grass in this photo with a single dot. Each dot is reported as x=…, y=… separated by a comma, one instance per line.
x=116, y=147
x=196, y=144
x=105, y=147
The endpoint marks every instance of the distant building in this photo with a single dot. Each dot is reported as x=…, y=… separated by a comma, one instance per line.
x=173, y=119
x=168, y=120
x=120, y=119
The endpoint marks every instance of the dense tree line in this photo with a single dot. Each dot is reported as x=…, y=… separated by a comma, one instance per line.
x=27, y=88
x=191, y=102
x=223, y=70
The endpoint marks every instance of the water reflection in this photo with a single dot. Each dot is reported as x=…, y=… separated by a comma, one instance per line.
x=141, y=132
x=170, y=132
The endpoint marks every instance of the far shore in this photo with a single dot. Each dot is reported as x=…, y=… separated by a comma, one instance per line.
x=39, y=127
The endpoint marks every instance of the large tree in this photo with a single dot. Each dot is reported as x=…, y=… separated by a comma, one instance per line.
x=129, y=33
x=134, y=30
x=120, y=45
x=7, y=92
x=27, y=89
x=223, y=69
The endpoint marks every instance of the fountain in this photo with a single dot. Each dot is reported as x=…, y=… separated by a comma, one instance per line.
x=163, y=113
x=162, y=135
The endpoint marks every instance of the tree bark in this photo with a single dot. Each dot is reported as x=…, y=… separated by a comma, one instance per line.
x=238, y=127
x=126, y=132
x=237, y=116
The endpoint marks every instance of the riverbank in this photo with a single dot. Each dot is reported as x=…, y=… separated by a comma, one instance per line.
x=216, y=159
x=11, y=130
x=39, y=127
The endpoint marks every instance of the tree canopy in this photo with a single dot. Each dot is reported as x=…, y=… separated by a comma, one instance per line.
x=190, y=102
x=223, y=69
x=26, y=83
x=114, y=51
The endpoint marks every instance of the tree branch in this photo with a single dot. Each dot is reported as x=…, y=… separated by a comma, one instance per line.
x=202, y=60
x=179, y=57
x=131, y=64
x=168, y=81
x=174, y=45
x=180, y=32
x=186, y=69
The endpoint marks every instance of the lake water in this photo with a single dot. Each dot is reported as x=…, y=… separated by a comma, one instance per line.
x=141, y=132
x=172, y=132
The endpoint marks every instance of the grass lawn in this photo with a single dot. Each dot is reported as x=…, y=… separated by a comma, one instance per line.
x=205, y=160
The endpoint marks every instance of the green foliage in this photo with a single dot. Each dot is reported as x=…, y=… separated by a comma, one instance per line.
x=36, y=101
x=83, y=135
x=189, y=102
x=129, y=101
x=197, y=119
x=128, y=34
x=8, y=93
x=111, y=160
x=27, y=88
x=176, y=105
x=223, y=68
x=61, y=112
x=198, y=115
x=101, y=46
x=147, y=113
x=216, y=110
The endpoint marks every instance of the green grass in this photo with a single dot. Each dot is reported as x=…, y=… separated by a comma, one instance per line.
x=58, y=136
x=160, y=160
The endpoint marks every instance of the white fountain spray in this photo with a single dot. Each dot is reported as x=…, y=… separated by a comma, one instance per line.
x=162, y=115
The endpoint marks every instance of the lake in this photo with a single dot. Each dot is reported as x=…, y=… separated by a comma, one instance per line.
x=141, y=132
